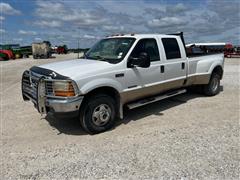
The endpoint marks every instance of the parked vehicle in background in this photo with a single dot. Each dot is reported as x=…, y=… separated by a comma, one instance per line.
x=19, y=52
x=120, y=71
x=228, y=49
x=15, y=48
x=233, y=52
x=41, y=50
x=54, y=49
x=209, y=48
x=5, y=49
x=8, y=53
x=25, y=51
x=3, y=57
x=62, y=49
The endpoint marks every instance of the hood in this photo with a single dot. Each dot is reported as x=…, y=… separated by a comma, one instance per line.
x=77, y=67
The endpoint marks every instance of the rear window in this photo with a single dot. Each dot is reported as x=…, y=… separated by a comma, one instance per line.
x=171, y=48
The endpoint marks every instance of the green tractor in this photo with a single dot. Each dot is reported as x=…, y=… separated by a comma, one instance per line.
x=24, y=51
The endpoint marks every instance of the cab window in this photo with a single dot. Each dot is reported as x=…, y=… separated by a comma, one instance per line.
x=148, y=46
x=171, y=48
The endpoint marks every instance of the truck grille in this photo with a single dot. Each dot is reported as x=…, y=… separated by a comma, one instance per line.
x=49, y=88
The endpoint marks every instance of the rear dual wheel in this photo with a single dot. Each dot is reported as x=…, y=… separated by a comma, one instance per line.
x=98, y=114
x=213, y=87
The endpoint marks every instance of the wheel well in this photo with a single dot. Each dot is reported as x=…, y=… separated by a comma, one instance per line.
x=218, y=70
x=105, y=90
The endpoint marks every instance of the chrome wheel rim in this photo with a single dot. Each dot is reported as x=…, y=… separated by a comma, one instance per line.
x=214, y=84
x=101, y=115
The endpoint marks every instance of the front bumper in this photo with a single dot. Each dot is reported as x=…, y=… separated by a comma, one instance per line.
x=64, y=105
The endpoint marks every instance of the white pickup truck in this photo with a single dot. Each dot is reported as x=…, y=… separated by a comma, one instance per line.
x=120, y=71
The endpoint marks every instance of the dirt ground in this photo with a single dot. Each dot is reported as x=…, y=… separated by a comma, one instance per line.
x=186, y=137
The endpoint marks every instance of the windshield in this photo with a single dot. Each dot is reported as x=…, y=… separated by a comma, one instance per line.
x=112, y=50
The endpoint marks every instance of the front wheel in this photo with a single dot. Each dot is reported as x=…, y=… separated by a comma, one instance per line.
x=98, y=114
x=213, y=87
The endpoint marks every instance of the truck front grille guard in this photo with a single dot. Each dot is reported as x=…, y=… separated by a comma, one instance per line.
x=33, y=89
x=37, y=88
x=29, y=87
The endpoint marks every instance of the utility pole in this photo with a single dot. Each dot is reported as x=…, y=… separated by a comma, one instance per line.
x=78, y=40
x=78, y=48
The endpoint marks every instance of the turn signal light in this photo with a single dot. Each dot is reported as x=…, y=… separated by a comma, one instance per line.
x=64, y=93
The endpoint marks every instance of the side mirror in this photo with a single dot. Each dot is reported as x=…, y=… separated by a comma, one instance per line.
x=142, y=61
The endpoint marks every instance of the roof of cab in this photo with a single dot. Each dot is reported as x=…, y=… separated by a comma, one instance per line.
x=140, y=35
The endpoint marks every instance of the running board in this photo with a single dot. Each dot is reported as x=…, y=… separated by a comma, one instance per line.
x=143, y=102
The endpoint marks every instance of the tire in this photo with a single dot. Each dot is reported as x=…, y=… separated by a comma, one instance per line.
x=6, y=58
x=213, y=87
x=104, y=108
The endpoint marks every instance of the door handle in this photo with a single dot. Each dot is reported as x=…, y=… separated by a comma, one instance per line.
x=183, y=65
x=162, y=69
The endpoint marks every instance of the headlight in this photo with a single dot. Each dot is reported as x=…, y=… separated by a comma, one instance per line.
x=63, y=88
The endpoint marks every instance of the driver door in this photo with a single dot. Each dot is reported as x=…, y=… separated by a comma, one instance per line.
x=143, y=82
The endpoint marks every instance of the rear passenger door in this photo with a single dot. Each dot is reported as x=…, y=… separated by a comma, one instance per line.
x=174, y=67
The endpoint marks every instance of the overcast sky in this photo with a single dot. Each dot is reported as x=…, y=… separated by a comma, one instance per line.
x=65, y=21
